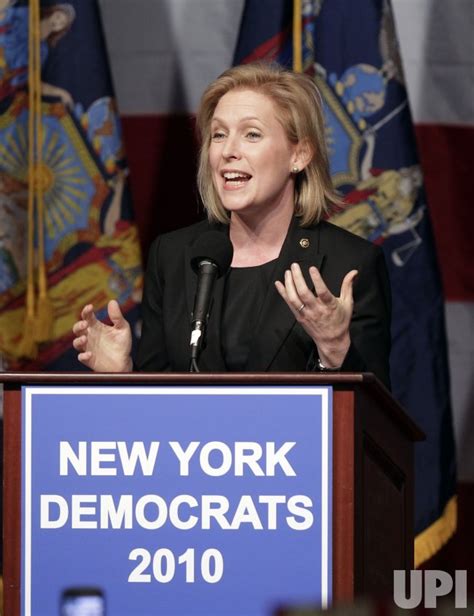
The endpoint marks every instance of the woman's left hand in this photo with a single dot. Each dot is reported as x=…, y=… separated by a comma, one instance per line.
x=324, y=317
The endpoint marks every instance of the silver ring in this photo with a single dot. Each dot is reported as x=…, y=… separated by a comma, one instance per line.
x=301, y=308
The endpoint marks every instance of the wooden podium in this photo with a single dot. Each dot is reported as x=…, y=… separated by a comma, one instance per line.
x=373, y=486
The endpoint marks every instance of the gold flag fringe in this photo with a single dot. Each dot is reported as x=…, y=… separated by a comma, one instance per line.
x=432, y=539
x=44, y=316
x=38, y=309
x=28, y=346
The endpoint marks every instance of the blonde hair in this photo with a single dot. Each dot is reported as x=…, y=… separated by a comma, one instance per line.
x=300, y=112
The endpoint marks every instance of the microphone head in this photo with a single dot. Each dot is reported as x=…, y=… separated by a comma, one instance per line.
x=212, y=246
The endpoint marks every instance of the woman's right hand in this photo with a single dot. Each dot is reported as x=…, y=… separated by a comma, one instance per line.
x=101, y=347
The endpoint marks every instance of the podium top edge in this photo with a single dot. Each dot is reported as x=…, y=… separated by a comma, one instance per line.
x=175, y=378
x=341, y=381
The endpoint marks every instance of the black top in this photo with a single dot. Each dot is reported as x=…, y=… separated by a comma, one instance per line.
x=280, y=343
x=244, y=293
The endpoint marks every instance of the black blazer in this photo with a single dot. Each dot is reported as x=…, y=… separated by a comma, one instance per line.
x=281, y=344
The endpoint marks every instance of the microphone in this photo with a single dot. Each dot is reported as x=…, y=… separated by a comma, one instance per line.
x=211, y=256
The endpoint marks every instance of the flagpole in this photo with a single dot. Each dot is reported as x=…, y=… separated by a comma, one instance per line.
x=297, y=37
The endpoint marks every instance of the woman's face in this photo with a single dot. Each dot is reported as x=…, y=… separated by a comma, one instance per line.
x=58, y=21
x=250, y=156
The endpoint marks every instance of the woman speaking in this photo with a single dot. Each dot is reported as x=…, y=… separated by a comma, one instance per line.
x=300, y=294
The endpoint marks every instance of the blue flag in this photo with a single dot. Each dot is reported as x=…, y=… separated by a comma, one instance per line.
x=90, y=250
x=351, y=50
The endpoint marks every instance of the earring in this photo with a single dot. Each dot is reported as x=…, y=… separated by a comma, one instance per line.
x=295, y=169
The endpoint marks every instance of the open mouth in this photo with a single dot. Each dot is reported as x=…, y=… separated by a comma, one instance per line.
x=235, y=178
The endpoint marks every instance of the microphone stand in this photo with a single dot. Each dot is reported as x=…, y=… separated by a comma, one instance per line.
x=196, y=341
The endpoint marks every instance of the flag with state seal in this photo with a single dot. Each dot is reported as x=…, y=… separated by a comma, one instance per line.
x=67, y=235
x=351, y=50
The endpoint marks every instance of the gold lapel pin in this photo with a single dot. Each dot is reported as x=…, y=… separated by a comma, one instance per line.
x=304, y=242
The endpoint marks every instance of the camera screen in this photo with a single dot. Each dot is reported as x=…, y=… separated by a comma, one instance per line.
x=84, y=605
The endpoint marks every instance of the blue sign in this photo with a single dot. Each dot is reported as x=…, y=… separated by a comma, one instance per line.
x=177, y=501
